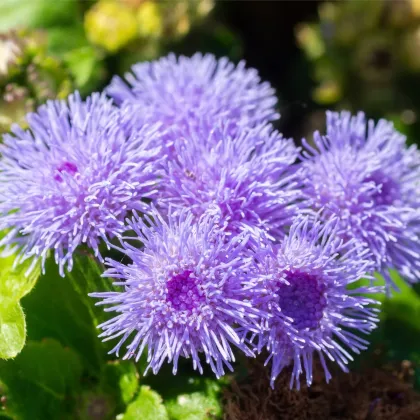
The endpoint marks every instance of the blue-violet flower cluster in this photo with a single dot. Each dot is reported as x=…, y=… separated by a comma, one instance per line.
x=185, y=293
x=364, y=175
x=175, y=91
x=231, y=238
x=306, y=283
x=73, y=177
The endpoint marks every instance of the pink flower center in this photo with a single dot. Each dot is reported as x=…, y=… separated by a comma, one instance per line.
x=303, y=300
x=68, y=167
x=183, y=292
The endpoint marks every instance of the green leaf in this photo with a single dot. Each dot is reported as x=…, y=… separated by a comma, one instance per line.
x=40, y=380
x=50, y=366
x=187, y=394
x=16, y=282
x=403, y=305
x=147, y=406
x=37, y=13
x=12, y=328
x=86, y=66
x=200, y=404
x=195, y=406
x=398, y=330
x=60, y=308
x=63, y=39
x=86, y=277
x=109, y=394
x=121, y=377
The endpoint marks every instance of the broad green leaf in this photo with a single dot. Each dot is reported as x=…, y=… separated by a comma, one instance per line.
x=12, y=328
x=147, y=406
x=16, y=282
x=120, y=377
x=403, y=305
x=40, y=380
x=198, y=399
x=398, y=332
x=60, y=308
x=110, y=394
x=187, y=394
x=195, y=406
x=56, y=368
x=37, y=13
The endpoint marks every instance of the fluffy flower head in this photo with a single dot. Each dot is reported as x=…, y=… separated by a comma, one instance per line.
x=312, y=310
x=183, y=294
x=174, y=90
x=72, y=178
x=364, y=175
x=247, y=180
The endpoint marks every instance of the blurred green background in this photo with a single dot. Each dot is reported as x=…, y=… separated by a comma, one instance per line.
x=351, y=54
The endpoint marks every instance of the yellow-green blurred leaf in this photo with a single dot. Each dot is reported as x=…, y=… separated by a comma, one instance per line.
x=12, y=328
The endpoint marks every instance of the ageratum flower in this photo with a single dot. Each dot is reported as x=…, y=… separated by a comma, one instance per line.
x=364, y=175
x=247, y=180
x=177, y=90
x=313, y=310
x=72, y=178
x=184, y=293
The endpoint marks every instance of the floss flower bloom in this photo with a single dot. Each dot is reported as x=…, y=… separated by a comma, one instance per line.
x=182, y=295
x=247, y=180
x=72, y=178
x=175, y=90
x=365, y=176
x=312, y=308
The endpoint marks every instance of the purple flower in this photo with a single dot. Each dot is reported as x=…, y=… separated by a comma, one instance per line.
x=175, y=90
x=364, y=175
x=72, y=178
x=246, y=180
x=183, y=294
x=312, y=309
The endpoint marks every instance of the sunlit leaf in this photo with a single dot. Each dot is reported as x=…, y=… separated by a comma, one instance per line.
x=12, y=328
x=195, y=406
x=36, y=13
x=148, y=405
x=16, y=282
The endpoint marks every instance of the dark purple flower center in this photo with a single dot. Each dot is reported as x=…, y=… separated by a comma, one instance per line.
x=303, y=300
x=68, y=167
x=232, y=209
x=183, y=292
x=390, y=190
